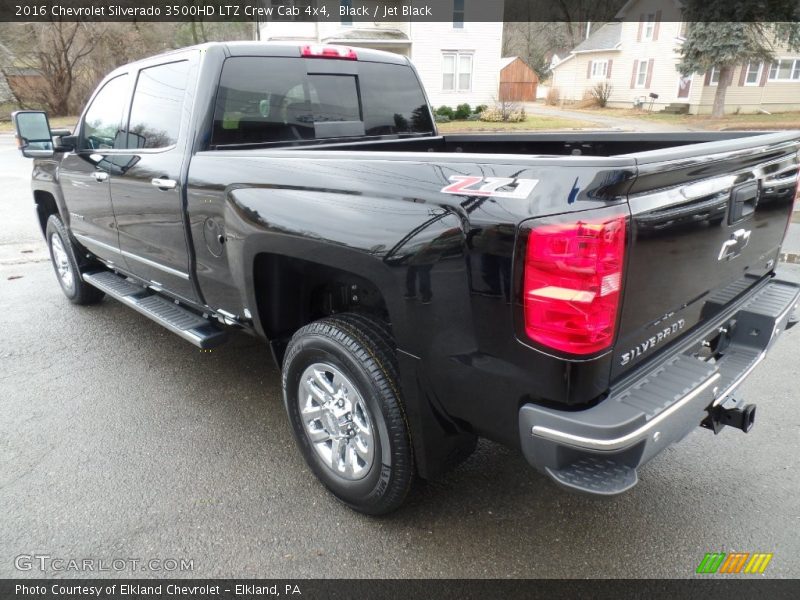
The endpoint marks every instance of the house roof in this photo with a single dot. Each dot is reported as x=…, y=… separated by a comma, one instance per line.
x=368, y=33
x=605, y=38
x=5, y=53
x=507, y=60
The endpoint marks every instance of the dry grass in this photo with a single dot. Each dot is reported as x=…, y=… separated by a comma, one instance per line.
x=6, y=126
x=532, y=123
x=788, y=120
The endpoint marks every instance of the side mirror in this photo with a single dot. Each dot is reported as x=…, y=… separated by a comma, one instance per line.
x=33, y=133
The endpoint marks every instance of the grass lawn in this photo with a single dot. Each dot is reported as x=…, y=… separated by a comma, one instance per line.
x=532, y=123
x=6, y=126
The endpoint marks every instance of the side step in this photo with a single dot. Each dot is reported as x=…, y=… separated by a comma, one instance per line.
x=185, y=323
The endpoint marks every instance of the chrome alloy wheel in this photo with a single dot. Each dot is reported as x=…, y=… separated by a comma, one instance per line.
x=336, y=421
x=61, y=262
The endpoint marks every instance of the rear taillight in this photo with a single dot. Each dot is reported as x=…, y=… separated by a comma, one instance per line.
x=322, y=51
x=572, y=283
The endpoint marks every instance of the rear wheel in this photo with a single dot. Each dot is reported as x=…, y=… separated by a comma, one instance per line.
x=65, y=264
x=342, y=397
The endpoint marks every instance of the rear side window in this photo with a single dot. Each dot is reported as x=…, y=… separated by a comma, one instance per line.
x=265, y=100
x=157, y=106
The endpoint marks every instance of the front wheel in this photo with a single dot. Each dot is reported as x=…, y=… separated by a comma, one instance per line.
x=342, y=396
x=65, y=264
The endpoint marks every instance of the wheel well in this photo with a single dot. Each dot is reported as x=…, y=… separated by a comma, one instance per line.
x=45, y=206
x=291, y=292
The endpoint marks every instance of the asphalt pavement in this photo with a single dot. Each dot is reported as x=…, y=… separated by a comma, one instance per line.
x=119, y=440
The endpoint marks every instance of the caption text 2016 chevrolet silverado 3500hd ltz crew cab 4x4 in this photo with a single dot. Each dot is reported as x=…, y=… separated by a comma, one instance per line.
x=588, y=298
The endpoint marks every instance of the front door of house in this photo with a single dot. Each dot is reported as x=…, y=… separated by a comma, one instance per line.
x=684, y=86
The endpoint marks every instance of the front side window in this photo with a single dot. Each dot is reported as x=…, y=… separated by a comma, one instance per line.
x=102, y=125
x=346, y=18
x=649, y=26
x=448, y=72
x=267, y=100
x=713, y=79
x=753, y=74
x=458, y=14
x=785, y=69
x=599, y=69
x=293, y=10
x=641, y=73
x=457, y=71
x=157, y=106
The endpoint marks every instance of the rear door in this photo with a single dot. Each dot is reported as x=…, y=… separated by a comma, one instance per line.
x=146, y=186
x=707, y=224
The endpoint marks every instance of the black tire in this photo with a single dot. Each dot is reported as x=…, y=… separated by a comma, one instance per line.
x=362, y=351
x=66, y=266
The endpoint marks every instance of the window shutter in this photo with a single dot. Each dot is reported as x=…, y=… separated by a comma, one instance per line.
x=707, y=80
x=608, y=70
x=764, y=74
x=589, y=70
x=743, y=74
x=657, y=25
x=633, y=75
x=641, y=25
x=649, y=73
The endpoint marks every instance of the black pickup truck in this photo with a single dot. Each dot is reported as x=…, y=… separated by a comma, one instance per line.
x=588, y=298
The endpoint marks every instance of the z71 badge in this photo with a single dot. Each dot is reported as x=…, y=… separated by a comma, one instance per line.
x=499, y=187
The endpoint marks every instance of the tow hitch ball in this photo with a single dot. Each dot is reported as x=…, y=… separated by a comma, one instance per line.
x=737, y=416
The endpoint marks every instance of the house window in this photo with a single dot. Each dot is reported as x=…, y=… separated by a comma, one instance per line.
x=753, y=74
x=713, y=79
x=785, y=69
x=457, y=71
x=641, y=73
x=649, y=27
x=682, y=30
x=599, y=69
x=458, y=14
x=346, y=19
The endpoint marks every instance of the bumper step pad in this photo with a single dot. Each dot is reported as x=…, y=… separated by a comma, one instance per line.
x=596, y=475
x=192, y=327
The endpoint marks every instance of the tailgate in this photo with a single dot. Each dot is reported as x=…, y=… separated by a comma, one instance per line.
x=707, y=222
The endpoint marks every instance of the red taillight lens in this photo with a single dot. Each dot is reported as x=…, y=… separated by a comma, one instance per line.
x=572, y=282
x=321, y=51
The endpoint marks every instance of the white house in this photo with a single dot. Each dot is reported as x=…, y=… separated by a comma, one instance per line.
x=638, y=57
x=458, y=61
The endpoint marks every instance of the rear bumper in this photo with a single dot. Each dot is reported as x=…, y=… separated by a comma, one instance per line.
x=599, y=449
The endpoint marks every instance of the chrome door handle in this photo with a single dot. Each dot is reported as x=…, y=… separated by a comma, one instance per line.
x=100, y=176
x=164, y=184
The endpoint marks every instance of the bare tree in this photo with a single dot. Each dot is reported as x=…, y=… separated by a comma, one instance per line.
x=57, y=52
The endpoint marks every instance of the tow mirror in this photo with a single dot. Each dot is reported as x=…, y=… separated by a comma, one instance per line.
x=34, y=138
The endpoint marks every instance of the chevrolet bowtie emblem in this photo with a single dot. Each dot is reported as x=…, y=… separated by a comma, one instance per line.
x=734, y=246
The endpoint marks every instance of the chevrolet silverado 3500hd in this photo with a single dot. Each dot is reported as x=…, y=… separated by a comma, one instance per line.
x=588, y=298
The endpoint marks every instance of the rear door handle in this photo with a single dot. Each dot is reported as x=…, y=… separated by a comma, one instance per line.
x=164, y=184
x=100, y=176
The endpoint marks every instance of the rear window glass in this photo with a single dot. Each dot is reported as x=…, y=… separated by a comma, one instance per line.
x=263, y=100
